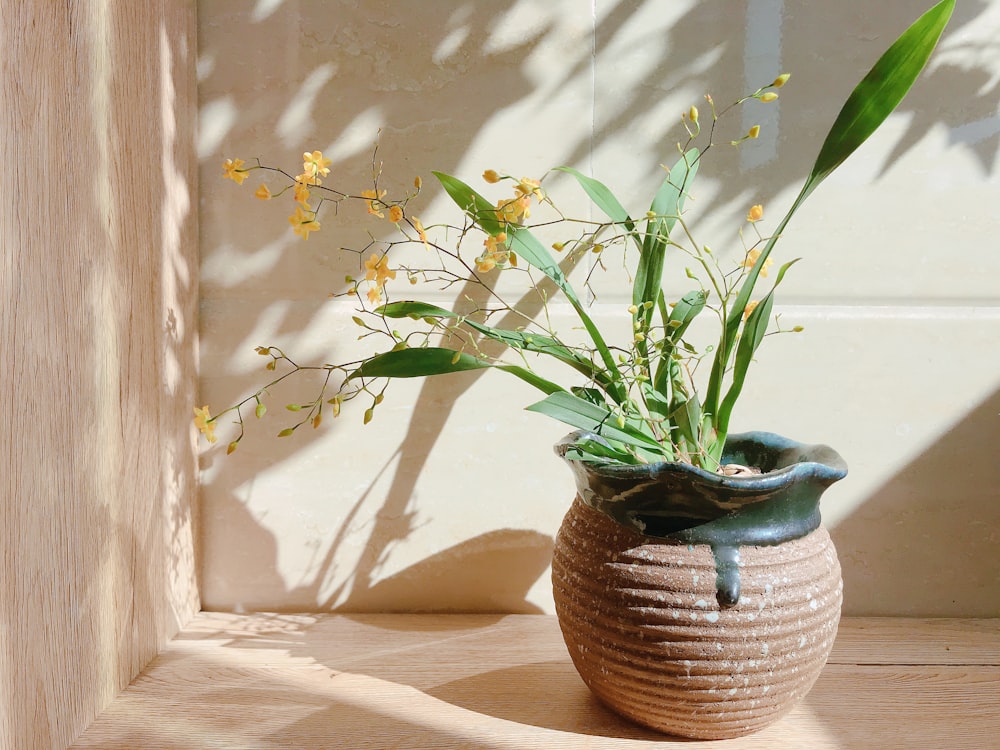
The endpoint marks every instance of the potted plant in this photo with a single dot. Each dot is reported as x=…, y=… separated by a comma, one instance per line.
x=697, y=590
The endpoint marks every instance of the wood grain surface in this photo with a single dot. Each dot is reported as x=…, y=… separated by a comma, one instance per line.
x=98, y=335
x=506, y=681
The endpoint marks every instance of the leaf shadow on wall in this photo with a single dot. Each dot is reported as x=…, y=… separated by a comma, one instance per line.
x=378, y=77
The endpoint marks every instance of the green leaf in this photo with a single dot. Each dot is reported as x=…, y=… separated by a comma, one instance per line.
x=476, y=206
x=591, y=450
x=604, y=199
x=685, y=311
x=527, y=246
x=667, y=205
x=428, y=361
x=881, y=91
x=583, y=415
x=417, y=363
x=754, y=331
x=545, y=386
x=519, y=340
x=414, y=309
x=687, y=419
x=871, y=102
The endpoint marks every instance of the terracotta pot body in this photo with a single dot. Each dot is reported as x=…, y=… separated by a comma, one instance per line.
x=719, y=622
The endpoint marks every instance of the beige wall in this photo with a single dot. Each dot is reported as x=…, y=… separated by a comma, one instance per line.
x=450, y=498
x=98, y=283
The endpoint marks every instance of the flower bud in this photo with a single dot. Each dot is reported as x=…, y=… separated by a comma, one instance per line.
x=232, y=447
x=260, y=411
x=768, y=96
x=753, y=132
x=693, y=114
x=781, y=80
x=491, y=176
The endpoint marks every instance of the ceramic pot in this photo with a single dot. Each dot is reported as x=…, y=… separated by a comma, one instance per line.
x=698, y=604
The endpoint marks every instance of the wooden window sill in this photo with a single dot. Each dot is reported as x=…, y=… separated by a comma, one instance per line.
x=506, y=681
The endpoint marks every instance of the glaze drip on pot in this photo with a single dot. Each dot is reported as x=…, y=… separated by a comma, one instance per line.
x=684, y=504
x=727, y=575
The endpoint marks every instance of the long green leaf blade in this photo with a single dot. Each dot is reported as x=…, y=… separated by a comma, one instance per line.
x=583, y=415
x=872, y=101
x=604, y=199
x=754, y=331
x=476, y=206
x=881, y=91
x=418, y=363
x=414, y=309
x=519, y=340
x=542, y=384
x=666, y=207
x=424, y=362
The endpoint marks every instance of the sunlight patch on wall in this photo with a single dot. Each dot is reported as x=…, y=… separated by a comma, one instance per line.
x=761, y=65
x=296, y=120
x=215, y=121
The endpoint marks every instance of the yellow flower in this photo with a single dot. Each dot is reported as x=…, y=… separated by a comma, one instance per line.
x=374, y=295
x=204, y=422
x=495, y=254
x=395, y=214
x=377, y=270
x=262, y=192
x=301, y=195
x=308, y=179
x=421, y=232
x=528, y=187
x=749, y=308
x=493, y=240
x=491, y=176
x=751, y=260
x=372, y=197
x=315, y=165
x=302, y=223
x=514, y=210
x=485, y=263
x=756, y=213
x=231, y=171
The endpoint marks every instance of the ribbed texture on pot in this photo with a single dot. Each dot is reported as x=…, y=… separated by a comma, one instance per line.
x=644, y=629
